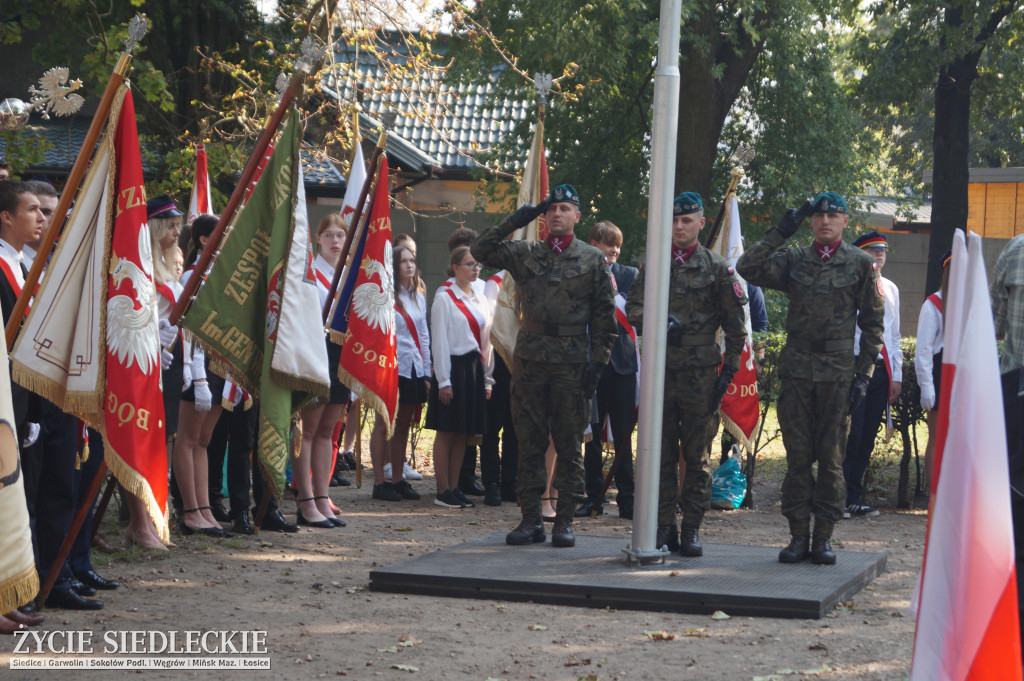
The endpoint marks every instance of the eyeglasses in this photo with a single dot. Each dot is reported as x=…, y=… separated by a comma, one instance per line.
x=473, y=265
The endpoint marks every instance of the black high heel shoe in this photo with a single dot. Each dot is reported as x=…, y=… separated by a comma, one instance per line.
x=337, y=522
x=325, y=523
x=208, y=531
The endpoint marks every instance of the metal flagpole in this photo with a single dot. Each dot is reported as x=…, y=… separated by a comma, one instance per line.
x=659, y=243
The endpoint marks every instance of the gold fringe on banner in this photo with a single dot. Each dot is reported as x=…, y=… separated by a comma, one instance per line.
x=136, y=485
x=19, y=590
x=371, y=399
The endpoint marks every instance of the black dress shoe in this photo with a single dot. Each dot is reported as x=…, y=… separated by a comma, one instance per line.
x=273, y=521
x=589, y=509
x=689, y=542
x=340, y=480
x=242, y=524
x=325, y=523
x=625, y=508
x=492, y=494
x=666, y=535
x=80, y=588
x=821, y=551
x=561, y=534
x=217, y=508
x=472, y=488
x=529, y=530
x=95, y=581
x=66, y=599
x=797, y=551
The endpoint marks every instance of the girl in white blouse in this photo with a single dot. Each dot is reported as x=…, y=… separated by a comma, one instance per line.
x=460, y=318
x=312, y=503
x=413, y=340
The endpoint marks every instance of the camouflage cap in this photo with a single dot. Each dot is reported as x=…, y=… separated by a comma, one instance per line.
x=565, y=193
x=686, y=203
x=829, y=202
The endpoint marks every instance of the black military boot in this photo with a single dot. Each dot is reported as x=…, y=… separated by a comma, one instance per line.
x=821, y=551
x=797, y=551
x=561, y=534
x=666, y=536
x=530, y=530
x=689, y=542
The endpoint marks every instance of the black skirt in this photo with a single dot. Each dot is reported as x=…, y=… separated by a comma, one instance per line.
x=172, y=383
x=467, y=411
x=937, y=376
x=340, y=394
x=412, y=390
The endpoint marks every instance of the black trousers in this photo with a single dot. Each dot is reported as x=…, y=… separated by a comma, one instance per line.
x=78, y=559
x=49, y=469
x=500, y=465
x=616, y=395
x=233, y=436
x=864, y=424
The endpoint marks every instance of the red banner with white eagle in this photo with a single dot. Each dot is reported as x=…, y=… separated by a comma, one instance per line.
x=369, y=362
x=90, y=343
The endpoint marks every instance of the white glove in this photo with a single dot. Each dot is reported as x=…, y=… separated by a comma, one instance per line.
x=204, y=398
x=167, y=333
x=187, y=377
x=928, y=397
x=165, y=360
x=33, y=435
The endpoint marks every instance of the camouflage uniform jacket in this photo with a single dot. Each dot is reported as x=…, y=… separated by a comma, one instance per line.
x=704, y=294
x=824, y=302
x=573, y=288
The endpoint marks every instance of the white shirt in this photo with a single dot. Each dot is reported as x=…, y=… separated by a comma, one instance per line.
x=478, y=285
x=492, y=287
x=451, y=335
x=929, y=341
x=28, y=256
x=194, y=354
x=326, y=272
x=14, y=259
x=409, y=355
x=891, y=332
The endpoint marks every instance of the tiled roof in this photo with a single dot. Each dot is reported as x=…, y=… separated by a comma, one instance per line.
x=884, y=209
x=444, y=128
x=65, y=139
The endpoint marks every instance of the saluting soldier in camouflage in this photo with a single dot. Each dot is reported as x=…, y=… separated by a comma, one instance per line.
x=704, y=294
x=832, y=287
x=568, y=309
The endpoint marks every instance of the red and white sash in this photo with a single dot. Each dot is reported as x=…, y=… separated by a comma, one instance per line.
x=474, y=325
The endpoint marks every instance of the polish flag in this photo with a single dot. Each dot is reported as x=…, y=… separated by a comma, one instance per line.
x=201, y=201
x=967, y=626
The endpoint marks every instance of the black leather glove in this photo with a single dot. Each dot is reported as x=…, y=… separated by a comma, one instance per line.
x=724, y=379
x=675, y=330
x=591, y=375
x=792, y=218
x=858, y=391
x=527, y=213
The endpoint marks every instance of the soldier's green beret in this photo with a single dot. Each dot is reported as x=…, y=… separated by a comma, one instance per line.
x=565, y=193
x=829, y=202
x=686, y=203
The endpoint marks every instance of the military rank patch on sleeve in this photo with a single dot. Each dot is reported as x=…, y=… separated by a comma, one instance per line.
x=732, y=270
x=738, y=288
x=874, y=266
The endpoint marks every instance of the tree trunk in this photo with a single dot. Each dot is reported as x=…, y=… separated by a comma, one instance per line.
x=950, y=146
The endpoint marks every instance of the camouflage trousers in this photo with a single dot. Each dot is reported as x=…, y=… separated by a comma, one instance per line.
x=548, y=398
x=815, y=420
x=685, y=425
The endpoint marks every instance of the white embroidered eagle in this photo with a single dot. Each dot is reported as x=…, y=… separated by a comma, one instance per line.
x=132, y=334
x=375, y=304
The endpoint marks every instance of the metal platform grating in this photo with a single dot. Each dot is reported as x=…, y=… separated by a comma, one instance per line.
x=740, y=580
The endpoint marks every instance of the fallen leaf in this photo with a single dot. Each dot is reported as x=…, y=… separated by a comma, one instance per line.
x=388, y=649
x=719, y=615
x=405, y=668
x=537, y=627
x=659, y=635
x=699, y=632
x=588, y=677
x=409, y=640
x=818, y=646
x=500, y=606
x=674, y=573
x=770, y=677
x=403, y=529
x=573, y=662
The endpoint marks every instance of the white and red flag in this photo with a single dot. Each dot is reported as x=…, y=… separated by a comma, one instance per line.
x=967, y=621
x=532, y=190
x=90, y=343
x=740, y=407
x=201, y=201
